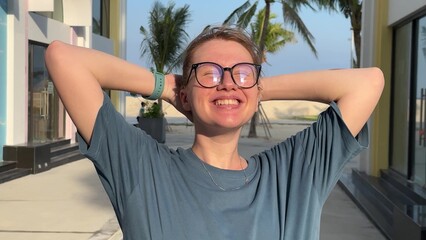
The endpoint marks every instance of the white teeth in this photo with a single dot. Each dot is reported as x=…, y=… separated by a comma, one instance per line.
x=226, y=102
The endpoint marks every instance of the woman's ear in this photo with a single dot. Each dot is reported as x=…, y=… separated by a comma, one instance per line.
x=183, y=95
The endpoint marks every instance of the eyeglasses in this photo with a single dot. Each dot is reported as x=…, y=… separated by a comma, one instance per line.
x=210, y=74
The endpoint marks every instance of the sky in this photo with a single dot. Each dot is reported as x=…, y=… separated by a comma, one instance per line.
x=331, y=31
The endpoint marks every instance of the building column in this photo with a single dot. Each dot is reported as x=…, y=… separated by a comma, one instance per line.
x=17, y=72
x=376, y=52
x=118, y=36
x=3, y=74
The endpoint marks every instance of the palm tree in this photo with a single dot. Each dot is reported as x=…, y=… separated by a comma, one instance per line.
x=164, y=40
x=351, y=9
x=243, y=15
x=276, y=38
x=290, y=8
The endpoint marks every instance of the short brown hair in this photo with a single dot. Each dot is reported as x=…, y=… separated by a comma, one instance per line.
x=224, y=32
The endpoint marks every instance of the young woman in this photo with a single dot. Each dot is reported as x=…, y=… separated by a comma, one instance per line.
x=209, y=191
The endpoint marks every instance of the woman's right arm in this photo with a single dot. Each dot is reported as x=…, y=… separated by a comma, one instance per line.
x=356, y=91
x=80, y=74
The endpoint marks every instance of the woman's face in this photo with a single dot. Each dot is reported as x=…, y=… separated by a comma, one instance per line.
x=226, y=105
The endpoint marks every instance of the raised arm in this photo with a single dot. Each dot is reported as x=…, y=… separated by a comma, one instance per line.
x=80, y=74
x=356, y=91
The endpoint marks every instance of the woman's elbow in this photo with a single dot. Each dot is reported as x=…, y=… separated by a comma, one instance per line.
x=55, y=52
x=373, y=82
x=375, y=79
x=55, y=56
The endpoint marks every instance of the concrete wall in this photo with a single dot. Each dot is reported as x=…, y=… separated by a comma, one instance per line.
x=400, y=10
x=102, y=44
x=45, y=30
x=77, y=12
x=41, y=5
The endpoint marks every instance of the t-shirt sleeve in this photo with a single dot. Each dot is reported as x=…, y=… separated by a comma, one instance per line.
x=117, y=149
x=317, y=155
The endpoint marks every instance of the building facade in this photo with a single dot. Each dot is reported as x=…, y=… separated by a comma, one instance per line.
x=390, y=182
x=31, y=113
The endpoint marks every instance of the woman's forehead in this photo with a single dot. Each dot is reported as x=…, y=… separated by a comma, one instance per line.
x=221, y=50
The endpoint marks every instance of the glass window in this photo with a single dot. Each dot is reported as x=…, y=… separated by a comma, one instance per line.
x=96, y=16
x=100, y=17
x=401, y=99
x=420, y=130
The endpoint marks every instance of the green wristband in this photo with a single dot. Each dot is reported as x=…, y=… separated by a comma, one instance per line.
x=159, y=86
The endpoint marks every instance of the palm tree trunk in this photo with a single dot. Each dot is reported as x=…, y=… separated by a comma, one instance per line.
x=253, y=123
x=356, y=18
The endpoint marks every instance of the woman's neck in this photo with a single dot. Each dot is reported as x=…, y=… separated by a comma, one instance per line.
x=219, y=150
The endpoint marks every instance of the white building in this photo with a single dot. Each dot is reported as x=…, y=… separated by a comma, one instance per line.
x=33, y=122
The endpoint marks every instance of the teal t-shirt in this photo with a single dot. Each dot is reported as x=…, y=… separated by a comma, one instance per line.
x=161, y=193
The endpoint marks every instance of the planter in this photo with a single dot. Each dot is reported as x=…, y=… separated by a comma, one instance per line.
x=155, y=127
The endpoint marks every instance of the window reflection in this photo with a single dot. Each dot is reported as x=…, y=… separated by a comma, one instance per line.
x=46, y=114
x=420, y=134
x=401, y=99
x=100, y=17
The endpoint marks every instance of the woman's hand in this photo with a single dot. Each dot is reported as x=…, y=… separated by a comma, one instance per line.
x=171, y=93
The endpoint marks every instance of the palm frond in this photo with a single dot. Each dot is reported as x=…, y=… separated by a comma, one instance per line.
x=291, y=16
x=298, y=4
x=330, y=5
x=246, y=17
x=235, y=15
x=177, y=63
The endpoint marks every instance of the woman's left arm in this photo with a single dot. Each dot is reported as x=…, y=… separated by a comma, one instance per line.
x=356, y=91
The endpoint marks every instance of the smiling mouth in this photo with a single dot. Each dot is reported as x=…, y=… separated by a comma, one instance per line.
x=226, y=102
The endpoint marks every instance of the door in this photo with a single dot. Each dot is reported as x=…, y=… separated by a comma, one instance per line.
x=45, y=111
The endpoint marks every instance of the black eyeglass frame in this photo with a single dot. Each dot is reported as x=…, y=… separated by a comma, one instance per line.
x=195, y=66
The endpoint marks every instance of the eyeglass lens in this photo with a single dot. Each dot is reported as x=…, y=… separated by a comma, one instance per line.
x=210, y=74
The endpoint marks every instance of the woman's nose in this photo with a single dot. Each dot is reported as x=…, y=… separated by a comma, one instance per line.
x=227, y=83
